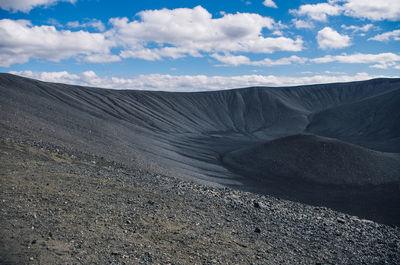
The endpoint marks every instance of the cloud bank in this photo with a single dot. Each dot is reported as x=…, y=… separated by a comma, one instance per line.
x=154, y=35
x=187, y=83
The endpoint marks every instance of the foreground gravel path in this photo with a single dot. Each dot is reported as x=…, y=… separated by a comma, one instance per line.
x=61, y=207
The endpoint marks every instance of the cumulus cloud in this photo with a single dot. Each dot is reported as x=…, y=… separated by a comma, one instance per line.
x=380, y=60
x=27, y=5
x=270, y=3
x=369, y=9
x=391, y=35
x=330, y=39
x=282, y=61
x=152, y=35
x=21, y=41
x=157, y=53
x=318, y=11
x=90, y=23
x=355, y=28
x=184, y=31
x=236, y=60
x=102, y=58
x=189, y=82
x=373, y=10
x=302, y=24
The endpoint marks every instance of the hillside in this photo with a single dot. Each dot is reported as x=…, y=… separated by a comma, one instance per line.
x=64, y=207
x=185, y=135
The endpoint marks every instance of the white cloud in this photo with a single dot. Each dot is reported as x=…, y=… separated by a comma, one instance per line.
x=302, y=24
x=380, y=60
x=27, y=5
x=334, y=73
x=157, y=53
x=318, y=11
x=270, y=3
x=394, y=35
x=154, y=35
x=102, y=58
x=277, y=33
x=229, y=59
x=234, y=60
x=54, y=22
x=330, y=39
x=189, y=82
x=373, y=9
x=21, y=41
x=355, y=28
x=188, y=25
x=91, y=23
x=141, y=53
x=369, y=9
x=194, y=32
x=282, y=61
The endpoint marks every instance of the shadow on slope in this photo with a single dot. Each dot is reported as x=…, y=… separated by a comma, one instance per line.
x=373, y=122
x=324, y=171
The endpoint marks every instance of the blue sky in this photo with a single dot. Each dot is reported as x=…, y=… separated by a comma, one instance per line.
x=187, y=45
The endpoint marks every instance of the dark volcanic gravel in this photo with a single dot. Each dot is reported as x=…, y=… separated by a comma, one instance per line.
x=65, y=207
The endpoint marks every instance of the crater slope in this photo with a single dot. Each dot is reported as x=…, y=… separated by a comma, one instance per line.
x=294, y=157
x=323, y=171
x=188, y=135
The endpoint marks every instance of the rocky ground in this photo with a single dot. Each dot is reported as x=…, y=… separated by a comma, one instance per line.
x=64, y=207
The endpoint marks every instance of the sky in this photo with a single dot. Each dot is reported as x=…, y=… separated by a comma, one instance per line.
x=184, y=45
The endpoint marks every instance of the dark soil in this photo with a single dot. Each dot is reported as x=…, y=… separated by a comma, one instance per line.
x=64, y=207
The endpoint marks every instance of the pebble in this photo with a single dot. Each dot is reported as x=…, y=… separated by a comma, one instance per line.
x=341, y=220
x=256, y=204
